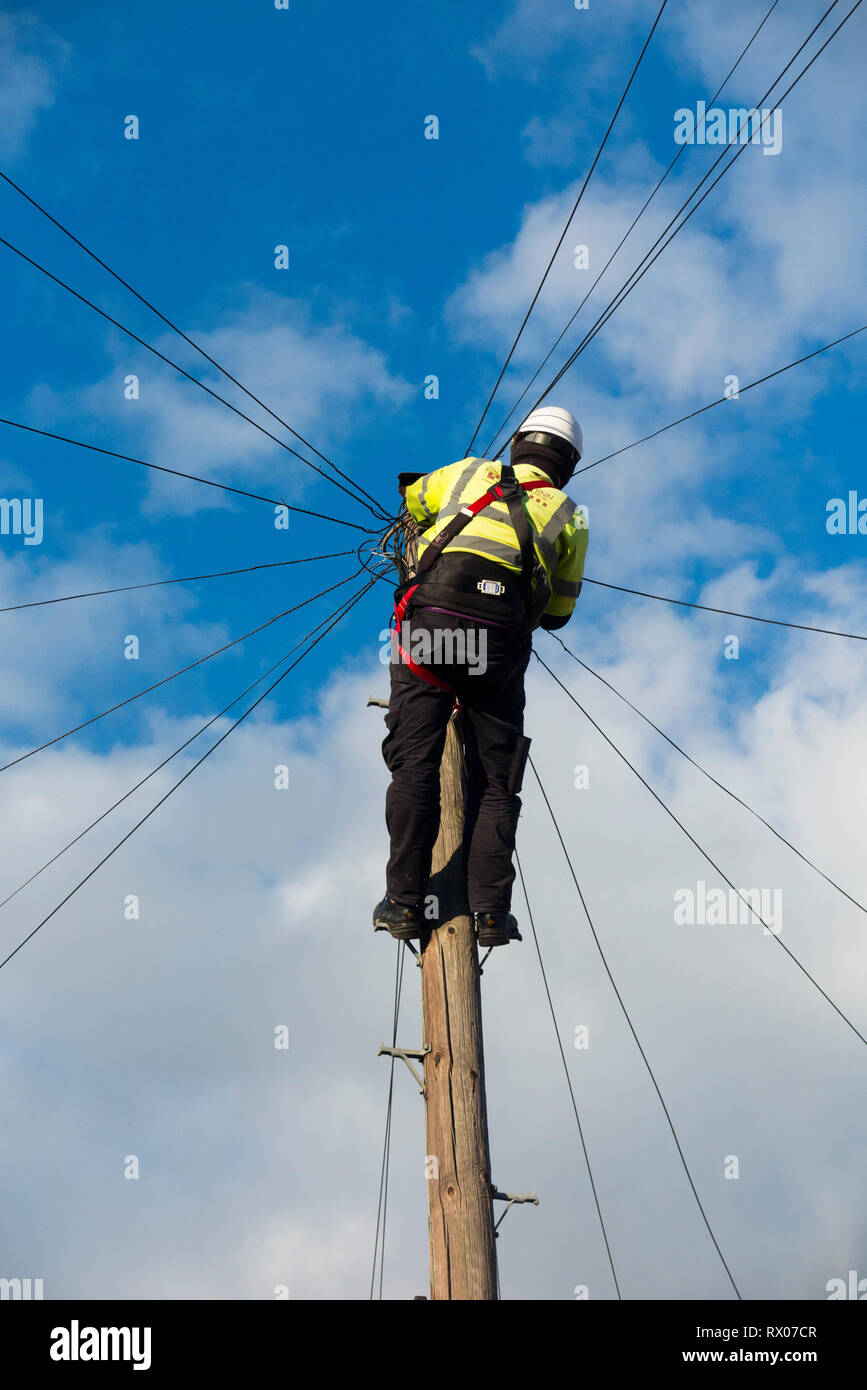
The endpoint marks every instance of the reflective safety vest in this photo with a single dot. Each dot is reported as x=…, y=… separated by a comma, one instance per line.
x=558, y=528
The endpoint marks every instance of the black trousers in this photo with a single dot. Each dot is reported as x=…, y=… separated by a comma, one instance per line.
x=495, y=750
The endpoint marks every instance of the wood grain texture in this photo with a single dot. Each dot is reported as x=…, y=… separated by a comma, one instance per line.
x=462, y=1245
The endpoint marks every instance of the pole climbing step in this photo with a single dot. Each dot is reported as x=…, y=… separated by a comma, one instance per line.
x=404, y=1053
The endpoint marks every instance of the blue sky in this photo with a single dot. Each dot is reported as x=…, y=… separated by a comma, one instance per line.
x=246, y=144
x=410, y=257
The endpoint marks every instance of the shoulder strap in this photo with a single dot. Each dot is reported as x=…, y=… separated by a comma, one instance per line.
x=462, y=518
x=508, y=490
x=511, y=492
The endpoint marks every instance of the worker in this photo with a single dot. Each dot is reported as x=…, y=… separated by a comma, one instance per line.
x=501, y=551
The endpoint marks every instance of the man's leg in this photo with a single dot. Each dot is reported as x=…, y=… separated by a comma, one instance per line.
x=496, y=756
x=417, y=719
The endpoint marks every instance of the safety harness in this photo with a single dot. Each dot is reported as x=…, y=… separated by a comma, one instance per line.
x=507, y=490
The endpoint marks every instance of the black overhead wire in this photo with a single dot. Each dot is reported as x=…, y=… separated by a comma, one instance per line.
x=653, y=254
x=184, y=579
x=341, y=614
x=709, y=775
x=568, y=1077
x=214, y=746
x=377, y=512
x=568, y=222
x=388, y=1146
x=191, y=477
x=187, y=339
x=370, y=559
x=703, y=852
x=720, y=399
x=629, y=229
x=174, y=675
x=159, y=767
x=635, y=1036
x=728, y=612
x=382, y=1203
x=635, y=277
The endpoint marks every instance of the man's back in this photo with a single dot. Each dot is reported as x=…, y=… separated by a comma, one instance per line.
x=559, y=530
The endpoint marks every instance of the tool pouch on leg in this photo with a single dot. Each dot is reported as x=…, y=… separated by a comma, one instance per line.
x=519, y=764
x=500, y=748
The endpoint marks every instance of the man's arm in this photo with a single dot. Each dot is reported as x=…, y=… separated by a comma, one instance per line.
x=423, y=495
x=566, y=579
x=550, y=624
x=405, y=479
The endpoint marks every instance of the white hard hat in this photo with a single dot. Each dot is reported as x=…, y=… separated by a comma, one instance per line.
x=552, y=419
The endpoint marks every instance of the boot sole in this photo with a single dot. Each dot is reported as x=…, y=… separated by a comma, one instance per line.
x=399, y=933
x=404, y=933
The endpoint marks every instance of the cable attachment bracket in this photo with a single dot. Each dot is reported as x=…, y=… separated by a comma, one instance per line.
x=405, y=1053
x=512, y=1199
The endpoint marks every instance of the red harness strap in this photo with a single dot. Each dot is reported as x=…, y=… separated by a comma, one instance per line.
x=430, y=676
x=496, y=493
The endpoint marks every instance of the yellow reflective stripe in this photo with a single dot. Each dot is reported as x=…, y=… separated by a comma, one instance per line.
x=507, y=555
x=570, y=568
x=421, y=496
x=452, y=502
x=552, y=528
x=413, y=503
x=422, y=493
x=547, y=552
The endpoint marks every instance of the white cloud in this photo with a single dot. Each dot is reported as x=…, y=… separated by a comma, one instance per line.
x=767, y=269
x=772, y=257
x=323, y=380
x=29, y=58
x=69, y=657
x=551, y=142
x=534, y=32
x=156, y=1037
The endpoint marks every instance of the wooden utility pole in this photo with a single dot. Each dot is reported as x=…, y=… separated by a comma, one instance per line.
x=463, y=1261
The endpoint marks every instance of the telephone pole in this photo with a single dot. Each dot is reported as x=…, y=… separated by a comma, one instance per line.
x=463, y=1261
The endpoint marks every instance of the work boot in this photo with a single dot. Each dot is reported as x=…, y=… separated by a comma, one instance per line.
x=496, y=928
x=404, y=923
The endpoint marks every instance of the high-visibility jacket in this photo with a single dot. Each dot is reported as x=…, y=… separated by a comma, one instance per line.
x=559, y=528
